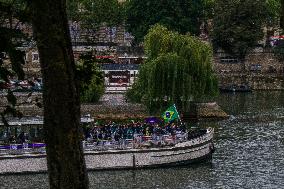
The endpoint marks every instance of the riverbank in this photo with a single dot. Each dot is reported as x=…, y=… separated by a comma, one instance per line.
x=256, y=81
x=113, y=106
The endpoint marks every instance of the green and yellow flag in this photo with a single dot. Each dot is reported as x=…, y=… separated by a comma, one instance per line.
x=170, y=114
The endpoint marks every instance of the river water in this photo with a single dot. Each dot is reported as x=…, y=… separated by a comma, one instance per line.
x=249, y=153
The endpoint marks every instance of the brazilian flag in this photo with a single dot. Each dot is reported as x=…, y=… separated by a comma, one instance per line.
x=170, y=114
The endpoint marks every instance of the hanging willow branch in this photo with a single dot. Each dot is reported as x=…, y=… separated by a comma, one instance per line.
x=178, y=70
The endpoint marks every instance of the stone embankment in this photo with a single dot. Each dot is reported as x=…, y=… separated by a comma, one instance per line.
x=111, y=106
x=210, y=110
x=254, y=81
x=260, y=71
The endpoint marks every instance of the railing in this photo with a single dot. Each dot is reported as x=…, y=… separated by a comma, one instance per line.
x=139, y=142
x=25, y=148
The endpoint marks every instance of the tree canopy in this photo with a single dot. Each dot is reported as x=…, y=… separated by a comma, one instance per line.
x=178, y=70
x=91, y=79
x=91, y=14
x=12, y=14
x=238, y=25
x=183, y=16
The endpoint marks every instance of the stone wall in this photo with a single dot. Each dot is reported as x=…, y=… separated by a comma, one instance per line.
x=255, y=81
x=266, y=60
x=260, y=71
x=108, y=108
x=27, y=105
x=210, y=110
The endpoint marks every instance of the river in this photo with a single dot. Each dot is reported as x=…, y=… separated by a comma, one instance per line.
x=249, y=153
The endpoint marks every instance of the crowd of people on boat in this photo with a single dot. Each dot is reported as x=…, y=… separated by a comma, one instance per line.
x=138, y=133
x=123, y=134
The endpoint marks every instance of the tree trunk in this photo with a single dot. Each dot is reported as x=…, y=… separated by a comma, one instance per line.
x=63, y=134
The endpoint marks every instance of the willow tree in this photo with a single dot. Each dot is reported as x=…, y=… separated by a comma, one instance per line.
x=178, y=70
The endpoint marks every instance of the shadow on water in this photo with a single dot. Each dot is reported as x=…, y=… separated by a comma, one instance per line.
x=177, y=177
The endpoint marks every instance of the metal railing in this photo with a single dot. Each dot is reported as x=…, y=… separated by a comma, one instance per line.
x=138, y=142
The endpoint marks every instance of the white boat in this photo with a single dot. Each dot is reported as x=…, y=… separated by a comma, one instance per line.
x=194, y=150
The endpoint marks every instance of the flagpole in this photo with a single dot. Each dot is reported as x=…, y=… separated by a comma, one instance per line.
x=177, y=112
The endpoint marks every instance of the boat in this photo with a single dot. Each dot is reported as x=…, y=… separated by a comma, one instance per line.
x=195, y=148
x=235, y=88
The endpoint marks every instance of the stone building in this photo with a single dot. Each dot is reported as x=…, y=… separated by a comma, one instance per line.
x=260, y=70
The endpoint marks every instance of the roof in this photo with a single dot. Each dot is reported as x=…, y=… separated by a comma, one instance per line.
x=120, y=66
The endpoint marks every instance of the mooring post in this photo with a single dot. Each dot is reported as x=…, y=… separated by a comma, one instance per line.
x=134, y=163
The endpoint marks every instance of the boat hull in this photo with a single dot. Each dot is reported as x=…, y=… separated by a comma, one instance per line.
x=185, y=153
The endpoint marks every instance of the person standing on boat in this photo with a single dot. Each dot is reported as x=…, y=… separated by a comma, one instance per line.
x=173, y=131
x=21, y=137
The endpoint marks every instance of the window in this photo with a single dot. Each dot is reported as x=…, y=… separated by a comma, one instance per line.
x=228, y=60
x=35, y=57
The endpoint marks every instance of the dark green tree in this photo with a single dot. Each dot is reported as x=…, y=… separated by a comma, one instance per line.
x=73, y=9
x=12, y=14
x=183, y=16
x=103, y=11
x=238, y=25
x=273, y=9
x=279, y=9
x=91, y=78
x=282, y=14
x=178, y=70
x=90, y=15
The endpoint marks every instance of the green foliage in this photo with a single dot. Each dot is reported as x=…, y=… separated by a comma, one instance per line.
x=183, y=16
x=73, y=9
x=91, y=14
x=12, y=12
x=93, y=91
x=273, y=10
x=178, y=70
x=238, y=25
x=10, y=36
x=103, y=11
x=91, y=79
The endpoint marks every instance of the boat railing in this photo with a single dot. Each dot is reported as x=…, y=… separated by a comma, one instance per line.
x=137, y=142
x=146, y=142
x=25, y=148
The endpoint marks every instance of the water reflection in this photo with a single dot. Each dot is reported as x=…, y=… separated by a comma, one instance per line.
x=182, y=177
x=249, y=153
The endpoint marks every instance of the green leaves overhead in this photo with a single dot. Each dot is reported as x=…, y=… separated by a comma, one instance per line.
x=183, y=16
x=178, y=70
x=238, y=25
x=273, y=9
x=91, y=79
x=12, y=14
x=92, y=13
